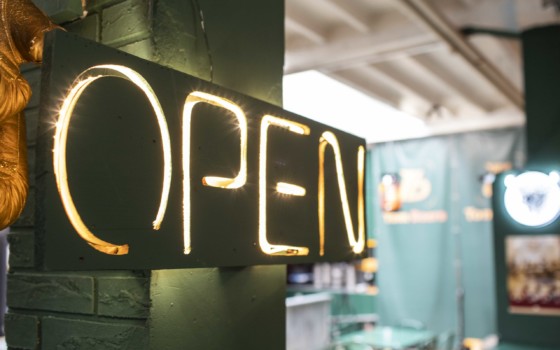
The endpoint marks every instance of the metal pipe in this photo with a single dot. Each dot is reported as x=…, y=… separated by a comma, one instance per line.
x=506, y=34
x=429, y=16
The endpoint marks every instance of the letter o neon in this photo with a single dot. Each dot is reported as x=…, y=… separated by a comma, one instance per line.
x=61, y=136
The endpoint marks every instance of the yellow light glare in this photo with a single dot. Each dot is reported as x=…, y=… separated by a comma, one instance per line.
x=328, y=138
x=266, y=247
x=294, y=127
x=290, y=189
x=61, y=137
x=212, y=181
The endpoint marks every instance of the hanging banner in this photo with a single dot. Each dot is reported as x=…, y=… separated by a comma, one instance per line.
x=144, y=167
x=444, y=217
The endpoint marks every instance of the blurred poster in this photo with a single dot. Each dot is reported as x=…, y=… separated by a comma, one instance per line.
x=389, y=192
x=533, y=277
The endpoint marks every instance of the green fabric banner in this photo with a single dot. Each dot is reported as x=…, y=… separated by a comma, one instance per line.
x=439, y=243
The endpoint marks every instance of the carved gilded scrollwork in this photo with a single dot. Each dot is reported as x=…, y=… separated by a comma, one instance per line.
x=22, y=28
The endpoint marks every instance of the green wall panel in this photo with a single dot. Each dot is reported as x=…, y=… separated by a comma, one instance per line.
x=261, y=289
x=233, y=308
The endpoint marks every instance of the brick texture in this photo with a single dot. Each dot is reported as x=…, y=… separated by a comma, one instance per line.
x=123, y=297
x=125, y=23
x=77, y=310
x=70, y=334
x=22, y=249
x=22, y=331
x=61, y=10
x=89, y=27
x=42, y=291
x=110, y=309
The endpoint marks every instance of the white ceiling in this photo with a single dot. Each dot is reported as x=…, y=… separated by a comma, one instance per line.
x=412, y=54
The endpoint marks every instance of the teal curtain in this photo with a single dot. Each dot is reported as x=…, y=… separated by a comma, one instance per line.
x=441, y=238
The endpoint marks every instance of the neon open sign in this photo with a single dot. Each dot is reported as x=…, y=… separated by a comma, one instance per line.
x=229, y=180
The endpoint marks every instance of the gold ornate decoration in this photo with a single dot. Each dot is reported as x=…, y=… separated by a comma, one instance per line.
x=22, y=28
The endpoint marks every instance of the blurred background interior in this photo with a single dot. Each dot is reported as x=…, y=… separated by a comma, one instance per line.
x=448, y=94
x=458, y=102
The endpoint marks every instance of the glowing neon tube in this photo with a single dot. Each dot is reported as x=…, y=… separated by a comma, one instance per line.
x=328, y=138
x=212, y=181
x=85, y=79
x=265, y=245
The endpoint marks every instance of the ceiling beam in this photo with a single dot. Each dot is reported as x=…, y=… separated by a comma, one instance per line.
x=444, y=82
x=363, y=82
x=412, y=82
x=415, y=102
x=310, y=30
x=375, y=46
x=430, y=17
x=352, y=18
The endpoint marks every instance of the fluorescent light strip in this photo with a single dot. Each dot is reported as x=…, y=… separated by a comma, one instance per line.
x=61, y=137
x=212, y=181
x=266, y=247
x=328, y=138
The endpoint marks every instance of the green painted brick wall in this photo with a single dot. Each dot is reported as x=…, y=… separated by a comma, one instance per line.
x=125, y=309
x=72, y=334
x=125, y=23
x=143, y=49
x=89, y=27
x=22, y=331
x=99, y=5
x=50, y=292
x=61, y=10
x=123, y=296
x=22, y=248
x=94, y=310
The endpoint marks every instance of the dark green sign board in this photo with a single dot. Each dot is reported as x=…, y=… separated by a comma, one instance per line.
x=144, y=167
x=527, y=256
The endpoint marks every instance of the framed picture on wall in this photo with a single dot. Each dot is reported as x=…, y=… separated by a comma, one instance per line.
x=533, y=274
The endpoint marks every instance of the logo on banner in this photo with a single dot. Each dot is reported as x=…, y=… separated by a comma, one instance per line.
x=485, y=214
x=415, y=187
